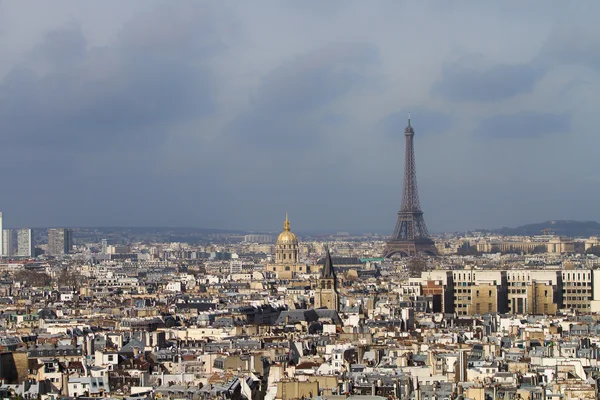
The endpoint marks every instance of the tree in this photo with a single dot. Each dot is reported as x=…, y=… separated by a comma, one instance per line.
x=69, y=277
x=595, y=250
x=33, y=278
x=467, y=250
x=416, y=266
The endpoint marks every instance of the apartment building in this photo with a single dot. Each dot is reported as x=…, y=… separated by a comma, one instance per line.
x=25, y=246
x=533, y=291
x=60, y=241
x=577, y=289
x=474, y=291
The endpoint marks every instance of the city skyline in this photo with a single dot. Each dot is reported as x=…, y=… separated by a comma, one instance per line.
x=195, y=114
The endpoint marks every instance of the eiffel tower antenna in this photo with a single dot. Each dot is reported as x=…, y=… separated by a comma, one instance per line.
x=410, y=235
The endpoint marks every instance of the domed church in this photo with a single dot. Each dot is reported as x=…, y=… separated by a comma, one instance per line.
x=287, y=252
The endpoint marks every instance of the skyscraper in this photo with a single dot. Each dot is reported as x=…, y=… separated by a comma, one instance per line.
x=25, y=246
x=59, y=241
x=1, y=238
x=7, y=242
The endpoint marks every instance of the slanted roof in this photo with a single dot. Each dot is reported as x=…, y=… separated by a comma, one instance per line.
x=129, y=347
x=327, y=270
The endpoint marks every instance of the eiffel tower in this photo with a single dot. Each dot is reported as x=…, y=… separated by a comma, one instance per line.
x=410, y=235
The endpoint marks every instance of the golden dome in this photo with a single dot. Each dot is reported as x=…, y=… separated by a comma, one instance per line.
x=287, y=237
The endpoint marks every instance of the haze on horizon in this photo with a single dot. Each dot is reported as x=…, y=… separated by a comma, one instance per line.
x=228, y=114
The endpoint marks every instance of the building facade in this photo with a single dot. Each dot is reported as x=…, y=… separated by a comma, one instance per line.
x=60, y=241
x=533, y=292
x=25, y=247
x=506, y=246
x=577, y=289
x=7, y=242
x=474, y=291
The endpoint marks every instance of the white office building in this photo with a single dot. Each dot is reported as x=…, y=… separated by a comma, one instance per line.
x=25, y=247
x=7, y=242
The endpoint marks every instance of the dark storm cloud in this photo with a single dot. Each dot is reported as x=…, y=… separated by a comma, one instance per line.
x=464, y=82
x=424, y=121
x=524, y=125
x=292, y=101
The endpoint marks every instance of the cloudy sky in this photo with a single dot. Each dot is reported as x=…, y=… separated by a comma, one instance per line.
x=227, y=114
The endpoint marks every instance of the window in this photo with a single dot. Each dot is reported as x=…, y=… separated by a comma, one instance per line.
x=490, y=294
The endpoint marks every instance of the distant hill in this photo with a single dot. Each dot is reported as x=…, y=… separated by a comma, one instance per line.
x=558, y=227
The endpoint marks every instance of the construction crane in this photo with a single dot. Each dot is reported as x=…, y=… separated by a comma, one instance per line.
x=547, y=231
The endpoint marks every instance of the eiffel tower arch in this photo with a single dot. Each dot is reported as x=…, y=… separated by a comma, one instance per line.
x=410, y=236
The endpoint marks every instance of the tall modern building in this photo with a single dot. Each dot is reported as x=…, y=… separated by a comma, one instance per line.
x=7, y=243
x=59, y=241
x=1, y=237
x=25, y=247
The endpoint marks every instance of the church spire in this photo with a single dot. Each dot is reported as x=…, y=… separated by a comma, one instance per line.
x=286, y=224
x=327, y=271
x=326, y=295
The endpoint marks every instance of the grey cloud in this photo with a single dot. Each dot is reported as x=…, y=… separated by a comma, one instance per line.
x=464, y=82
x=525, y=124
x=292, y=100
x=61, y=46
x=117, y=95
x=573, y=44
x=313, y=80
x=424, y=121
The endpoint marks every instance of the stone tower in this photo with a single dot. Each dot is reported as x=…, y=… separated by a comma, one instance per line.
x=326, y=295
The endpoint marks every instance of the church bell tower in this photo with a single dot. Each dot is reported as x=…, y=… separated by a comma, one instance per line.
x=326, y=295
